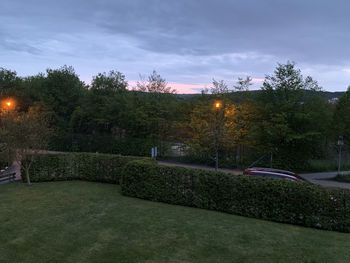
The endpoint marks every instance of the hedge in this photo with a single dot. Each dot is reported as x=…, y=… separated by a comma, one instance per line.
x=95, y=167
x=103, y=143
x=263, y=198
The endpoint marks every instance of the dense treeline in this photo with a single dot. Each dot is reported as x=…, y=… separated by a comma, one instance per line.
x=287, y=121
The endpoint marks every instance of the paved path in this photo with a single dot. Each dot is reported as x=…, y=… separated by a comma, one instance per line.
x=315, y=178
x=324, y=179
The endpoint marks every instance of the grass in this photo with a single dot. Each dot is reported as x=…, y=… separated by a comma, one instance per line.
x=93, y=222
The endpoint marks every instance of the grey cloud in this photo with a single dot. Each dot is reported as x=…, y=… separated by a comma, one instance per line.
x=20, y=47
x=300, y=29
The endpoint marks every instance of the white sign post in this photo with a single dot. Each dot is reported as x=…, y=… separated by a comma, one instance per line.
x=154, y=152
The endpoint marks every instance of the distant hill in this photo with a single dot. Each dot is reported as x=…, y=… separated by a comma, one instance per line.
x=328, y=95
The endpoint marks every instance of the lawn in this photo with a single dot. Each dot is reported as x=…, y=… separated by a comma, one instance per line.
x=93, y=222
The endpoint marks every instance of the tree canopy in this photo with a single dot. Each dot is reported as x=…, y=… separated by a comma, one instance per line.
x=287, y=118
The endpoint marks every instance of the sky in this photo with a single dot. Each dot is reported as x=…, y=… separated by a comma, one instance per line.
x=188, y=42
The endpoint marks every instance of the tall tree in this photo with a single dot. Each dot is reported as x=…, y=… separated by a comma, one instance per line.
x=341, y=121
x=109, y=83
x=62, y=91
x=9, y=82
x=285, y=129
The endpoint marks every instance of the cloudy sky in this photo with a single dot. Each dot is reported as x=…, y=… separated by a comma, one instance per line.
x=189, y=42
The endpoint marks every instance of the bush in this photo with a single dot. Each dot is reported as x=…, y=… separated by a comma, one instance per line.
x=103, y=143
x=95, y=167
x=271, y=199
x=342, y=177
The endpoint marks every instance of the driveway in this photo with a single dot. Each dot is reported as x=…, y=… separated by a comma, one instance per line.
x=324, y=179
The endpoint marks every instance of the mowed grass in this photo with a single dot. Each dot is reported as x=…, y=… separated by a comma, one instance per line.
x=93, y=222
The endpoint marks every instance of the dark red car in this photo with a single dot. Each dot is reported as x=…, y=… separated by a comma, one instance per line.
x=273, y=173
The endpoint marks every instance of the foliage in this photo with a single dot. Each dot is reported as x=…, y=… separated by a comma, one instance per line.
x=25, y=133
x=292, y=124
x=226, y=128
x=154, y=84
x=263, y=198
x=94, y=167
x=5, y=157
x=113, y=82
x=341, y=122
x=105, y=143
x=8, y=81
x=287, y=119
x=345, y=178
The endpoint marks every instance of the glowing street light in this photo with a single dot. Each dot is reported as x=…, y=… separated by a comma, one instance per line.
x=7, y=105
x=216, y=131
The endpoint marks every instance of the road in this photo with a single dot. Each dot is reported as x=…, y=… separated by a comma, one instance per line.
x=324, y=179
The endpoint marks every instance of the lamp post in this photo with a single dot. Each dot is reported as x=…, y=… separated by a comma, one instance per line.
x=8, y=104
x=216, y=133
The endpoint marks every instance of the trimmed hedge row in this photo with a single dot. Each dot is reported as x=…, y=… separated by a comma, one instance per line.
x=106, y=168
x=282, y=201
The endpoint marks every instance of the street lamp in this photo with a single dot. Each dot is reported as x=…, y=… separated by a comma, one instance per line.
x=217, y=106
x=8, y=104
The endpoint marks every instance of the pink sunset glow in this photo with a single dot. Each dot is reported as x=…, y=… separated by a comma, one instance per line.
x=184, y=88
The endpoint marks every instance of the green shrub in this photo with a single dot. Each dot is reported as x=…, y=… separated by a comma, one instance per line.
x=342, y=177
x=263, y=198
x=103, y=143
x=95, y=167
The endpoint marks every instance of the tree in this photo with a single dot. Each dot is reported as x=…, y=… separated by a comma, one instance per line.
x=61, y=91
x=240, y=125
x=206, y=128
x=25, y=134
x=112, y=82
x=9, y=81
x=287, y=128
x=243, y=84
x=155, y=84
x=341, y=122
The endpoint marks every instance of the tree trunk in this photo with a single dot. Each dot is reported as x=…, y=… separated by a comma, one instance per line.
x=27, y=176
